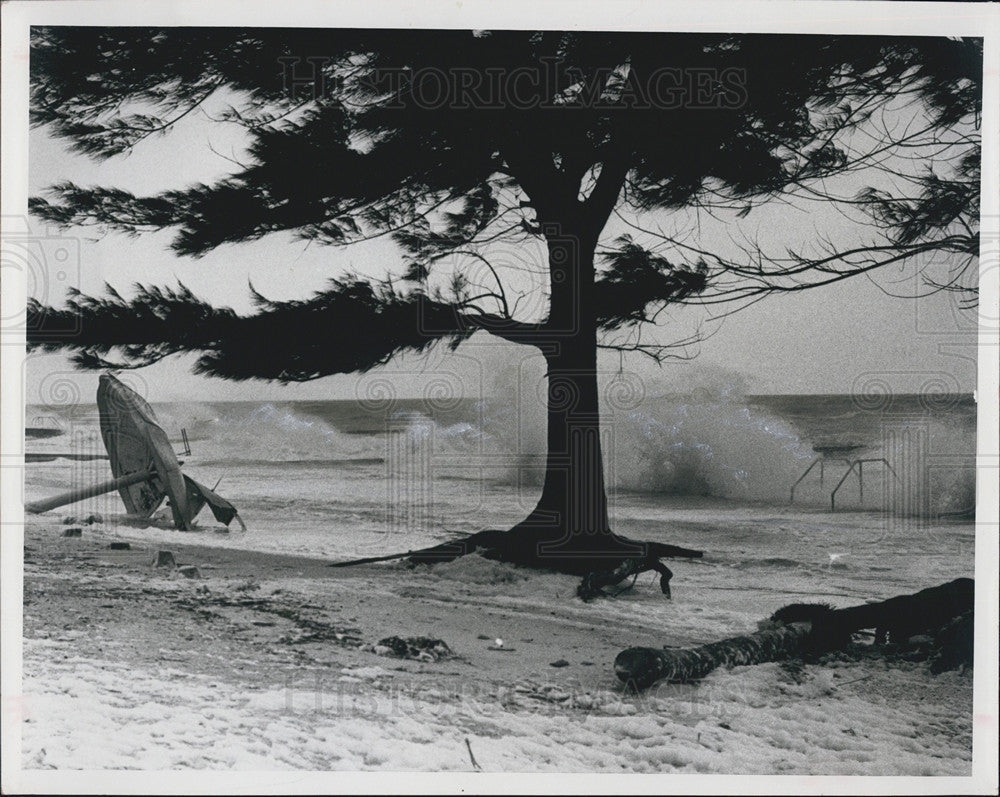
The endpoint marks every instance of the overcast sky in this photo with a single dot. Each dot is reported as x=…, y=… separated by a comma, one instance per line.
x=828, y=340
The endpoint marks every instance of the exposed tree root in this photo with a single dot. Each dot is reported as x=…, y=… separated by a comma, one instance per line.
x=601, y=560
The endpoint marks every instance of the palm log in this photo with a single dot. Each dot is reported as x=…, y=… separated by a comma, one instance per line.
x=810, y=628
x=641, y=667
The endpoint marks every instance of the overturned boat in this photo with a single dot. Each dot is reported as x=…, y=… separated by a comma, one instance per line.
x=145, y=468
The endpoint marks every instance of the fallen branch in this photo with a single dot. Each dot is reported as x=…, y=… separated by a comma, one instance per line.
x=472, y=758
x=593, y=583
x=945, y=611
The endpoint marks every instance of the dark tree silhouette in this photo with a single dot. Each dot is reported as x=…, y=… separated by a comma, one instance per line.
x=921, y=144
x=449, y=142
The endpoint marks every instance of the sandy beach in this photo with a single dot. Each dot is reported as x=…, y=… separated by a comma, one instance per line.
x=266, y=661
x=292, y=293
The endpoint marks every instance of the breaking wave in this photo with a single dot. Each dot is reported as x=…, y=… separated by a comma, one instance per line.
x=712, y=441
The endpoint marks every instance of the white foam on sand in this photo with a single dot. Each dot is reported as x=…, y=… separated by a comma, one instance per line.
x=96, y=697
x=840, y=720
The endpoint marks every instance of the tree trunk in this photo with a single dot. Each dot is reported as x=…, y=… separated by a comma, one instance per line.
x=568, y=530
x=944, y=610
x=642, y=667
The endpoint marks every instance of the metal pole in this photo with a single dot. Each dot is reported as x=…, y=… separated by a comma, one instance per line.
x=818, y=460
x=80, y=493
x=833, y=495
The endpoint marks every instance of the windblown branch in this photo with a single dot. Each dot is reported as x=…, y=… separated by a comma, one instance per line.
x=637, y=279
x=336, y=154
x=352, y=326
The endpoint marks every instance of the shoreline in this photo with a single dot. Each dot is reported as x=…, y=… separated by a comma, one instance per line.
x=265, y=662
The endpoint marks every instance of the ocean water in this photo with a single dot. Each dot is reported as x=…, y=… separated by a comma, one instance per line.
x=711, y=470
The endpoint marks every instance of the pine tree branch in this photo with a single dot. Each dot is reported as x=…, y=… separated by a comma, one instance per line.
x=506, y=328
x=351, y=327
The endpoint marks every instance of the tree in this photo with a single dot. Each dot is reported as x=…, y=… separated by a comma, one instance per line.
x=449, y=141
x=921, y=158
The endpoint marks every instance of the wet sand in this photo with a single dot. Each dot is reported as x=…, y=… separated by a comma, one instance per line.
x=266, y=661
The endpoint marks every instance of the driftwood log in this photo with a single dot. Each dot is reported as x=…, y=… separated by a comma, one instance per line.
x=944, y=611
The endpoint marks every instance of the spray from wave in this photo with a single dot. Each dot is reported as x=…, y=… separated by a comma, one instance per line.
x=275, y=432
x=712, y=439
x=712, y=442
x=706, y=438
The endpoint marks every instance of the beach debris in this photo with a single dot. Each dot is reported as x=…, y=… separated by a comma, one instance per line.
x=471, y=756
x=559, y=663
x=953, y=644
x=73, y=520
x=523, y=692
x=76, y=531
x=163, y=559
x=484, y=636
x=592, y=585
x=144, y=465
x=189, y=571
x=944, y=612
x=119, y=546
x=417, y=648
x=548, y=693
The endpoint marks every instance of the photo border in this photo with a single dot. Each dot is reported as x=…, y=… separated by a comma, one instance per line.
x=745, y=16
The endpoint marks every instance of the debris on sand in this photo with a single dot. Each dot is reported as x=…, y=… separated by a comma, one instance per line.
x=144, y=465
x=89, y=520
x=163, y=559
x=189, y=571
x=417, y=648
